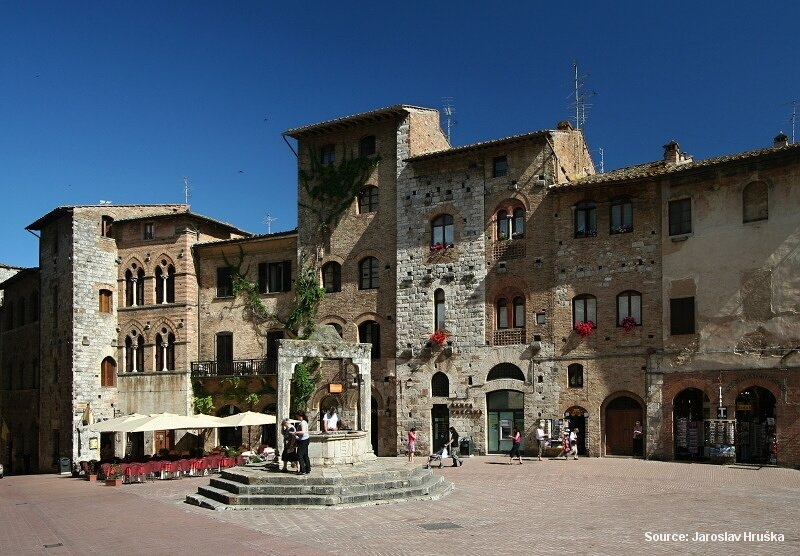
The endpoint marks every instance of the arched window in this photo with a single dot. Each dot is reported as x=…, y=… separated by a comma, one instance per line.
x=511, y=225
x=338, y=327
x=366, y=146
x=519, y=312
x=629, y=304
x=108, y=372
x=585, y=219
x=165, y=283
x=575, y=375
x=440, y=385
x=584, y=309
x=165, y=351
x=621, y=216
x=369, y=332
x=505, y=370
x=755, y=202
x=332, y=277
x=503, y=225
x=134, y=286
x=439, y=309
x=368, y=274
x=502, y=313
x=442, y=230
x=134, y=353
x=368, y=199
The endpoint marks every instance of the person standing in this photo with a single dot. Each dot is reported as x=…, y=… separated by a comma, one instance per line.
x=573, y=443
x=454, y=450
x=331, y=420
x=289, y=453
x=638, y=440
x=412, y=444
x=516, y=439
x=303, y=439
x=565, y=445
x=540, y=439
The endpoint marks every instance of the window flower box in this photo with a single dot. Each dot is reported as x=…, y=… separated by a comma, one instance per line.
x=584, y=328
x=628, y=323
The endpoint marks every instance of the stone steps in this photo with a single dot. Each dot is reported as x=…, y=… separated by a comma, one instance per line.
x=370, y=483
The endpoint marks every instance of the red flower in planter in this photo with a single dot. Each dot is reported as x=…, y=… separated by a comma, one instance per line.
x=439, y=337
x=628, y=323
x=584, y=328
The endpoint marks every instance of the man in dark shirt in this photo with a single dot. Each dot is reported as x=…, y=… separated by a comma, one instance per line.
x=454, y=450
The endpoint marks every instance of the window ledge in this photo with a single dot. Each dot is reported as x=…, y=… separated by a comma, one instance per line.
x=679, y=238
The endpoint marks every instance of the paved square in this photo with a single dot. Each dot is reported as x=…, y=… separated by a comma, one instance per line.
x=589, y=506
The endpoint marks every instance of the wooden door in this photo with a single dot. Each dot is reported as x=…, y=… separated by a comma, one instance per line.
x=619, y=431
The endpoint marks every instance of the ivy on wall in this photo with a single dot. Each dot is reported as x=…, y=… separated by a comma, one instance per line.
x=331, y=188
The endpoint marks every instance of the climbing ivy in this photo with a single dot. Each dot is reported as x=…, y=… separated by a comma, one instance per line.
x=304, y=382
x=331, y=188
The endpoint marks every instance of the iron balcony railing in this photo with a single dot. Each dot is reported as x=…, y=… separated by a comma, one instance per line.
x=237, y=367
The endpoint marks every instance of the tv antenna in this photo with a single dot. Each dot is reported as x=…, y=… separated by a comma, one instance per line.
x=602, y=159
x=186, y=190
x=268, y=220
x=449, y=110
x=793, y=118
x=580, y=97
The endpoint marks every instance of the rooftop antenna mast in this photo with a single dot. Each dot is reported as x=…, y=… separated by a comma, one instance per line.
x=793, y=119
x=602, y=159
x=268, y=220
x=186, y=190
x=579, y=104
x=449, y=110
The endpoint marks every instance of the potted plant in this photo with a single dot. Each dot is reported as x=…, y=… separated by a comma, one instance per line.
x=91, y=470
x=584, y=328
x=628, y=323
x=114, y=477
x=438, y=338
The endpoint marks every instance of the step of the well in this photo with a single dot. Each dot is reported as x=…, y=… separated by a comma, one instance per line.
x=370, y=483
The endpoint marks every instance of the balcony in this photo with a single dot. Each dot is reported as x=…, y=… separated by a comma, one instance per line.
x=237, y=367
x=509, y=336
x=508, y=249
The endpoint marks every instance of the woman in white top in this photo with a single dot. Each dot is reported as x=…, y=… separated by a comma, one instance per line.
x=330, y=421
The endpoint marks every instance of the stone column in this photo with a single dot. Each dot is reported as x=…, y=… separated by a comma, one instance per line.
x=364, y=393
x=654, y=418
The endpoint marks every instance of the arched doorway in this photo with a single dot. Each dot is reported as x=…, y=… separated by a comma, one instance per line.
x=689, y=410
x=440, y=423
x=621, y=415
x=755, y=425
x=576, y=417
x=504, y=412
x=229, y=436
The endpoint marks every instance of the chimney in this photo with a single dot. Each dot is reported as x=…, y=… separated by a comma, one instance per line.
x=564, y=125
x=781, y=140
x=672, y=152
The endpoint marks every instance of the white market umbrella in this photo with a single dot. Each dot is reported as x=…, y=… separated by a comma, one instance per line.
x=165, y=421
x=112, y=425
x=247, y=419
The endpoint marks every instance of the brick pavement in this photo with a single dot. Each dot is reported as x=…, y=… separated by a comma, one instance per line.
x=589, y=506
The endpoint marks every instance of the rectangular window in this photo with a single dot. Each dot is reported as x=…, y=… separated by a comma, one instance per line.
x=149, y=230
x=681, y=313
x=275, y=277
x=224, y=282
x=105, y=301
x=680, y=217
x=327, y=154
x=499, y=166
x=541, y=318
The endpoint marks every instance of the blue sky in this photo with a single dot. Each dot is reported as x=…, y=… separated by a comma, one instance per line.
x=121, y=100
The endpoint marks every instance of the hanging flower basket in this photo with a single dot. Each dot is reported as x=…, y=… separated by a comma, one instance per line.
x=584, y=328
x=438, y=338
x=628, y=323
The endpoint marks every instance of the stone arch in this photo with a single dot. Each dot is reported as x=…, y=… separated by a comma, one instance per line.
x=505, y=371
x=616, y=427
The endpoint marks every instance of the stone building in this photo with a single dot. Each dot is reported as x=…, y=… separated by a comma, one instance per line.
x=499, y=284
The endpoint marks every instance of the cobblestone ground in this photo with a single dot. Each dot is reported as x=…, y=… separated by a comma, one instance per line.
x=589, y=506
